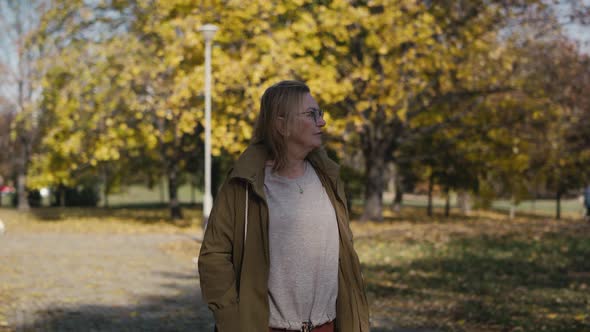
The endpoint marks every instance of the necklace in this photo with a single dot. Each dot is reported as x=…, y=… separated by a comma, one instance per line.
x=297, y=183
x=300, y=189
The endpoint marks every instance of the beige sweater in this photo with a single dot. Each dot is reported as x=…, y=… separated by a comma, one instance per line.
x=303, y=243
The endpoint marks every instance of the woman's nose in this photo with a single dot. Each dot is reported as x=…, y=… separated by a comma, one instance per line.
x=321, y=122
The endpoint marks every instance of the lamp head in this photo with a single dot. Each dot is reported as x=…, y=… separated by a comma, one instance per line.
x=208, y=31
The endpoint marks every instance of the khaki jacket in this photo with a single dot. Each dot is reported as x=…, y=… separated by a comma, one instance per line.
x=234, y=277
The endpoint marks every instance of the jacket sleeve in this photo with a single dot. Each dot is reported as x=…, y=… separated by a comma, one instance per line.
x=216, y=270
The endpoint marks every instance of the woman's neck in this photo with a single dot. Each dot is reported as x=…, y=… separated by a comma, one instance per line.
x=293, y=169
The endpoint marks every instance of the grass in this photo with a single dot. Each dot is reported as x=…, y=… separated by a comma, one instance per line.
x=482, y=273
x=572, y=207
x=140, y=194
x=100, y=220
x=463, y=273
x=569, y=207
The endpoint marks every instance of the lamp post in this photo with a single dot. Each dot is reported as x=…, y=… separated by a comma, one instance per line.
x=208, y=31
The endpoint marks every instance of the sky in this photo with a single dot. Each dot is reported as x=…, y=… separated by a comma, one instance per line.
x=577, y=32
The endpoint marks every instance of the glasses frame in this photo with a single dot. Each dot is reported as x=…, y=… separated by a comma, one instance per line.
x=315, y=114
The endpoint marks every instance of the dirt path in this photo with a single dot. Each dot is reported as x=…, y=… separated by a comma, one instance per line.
x=98, y=282
x=95, y=280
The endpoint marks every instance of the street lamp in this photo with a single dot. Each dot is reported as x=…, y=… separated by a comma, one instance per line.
x=208, y=31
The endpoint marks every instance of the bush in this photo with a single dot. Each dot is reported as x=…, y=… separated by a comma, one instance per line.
x=33, y=197
x=83, y=195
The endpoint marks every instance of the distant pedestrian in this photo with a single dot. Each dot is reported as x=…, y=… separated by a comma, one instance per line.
x=587, y=202
x=277, y=254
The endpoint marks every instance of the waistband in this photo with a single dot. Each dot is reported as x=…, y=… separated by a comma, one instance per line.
x=307, y=327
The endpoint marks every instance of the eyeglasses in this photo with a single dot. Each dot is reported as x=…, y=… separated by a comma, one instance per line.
x=315, y=114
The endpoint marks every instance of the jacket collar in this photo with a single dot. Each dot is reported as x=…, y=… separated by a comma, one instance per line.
x=250, y=166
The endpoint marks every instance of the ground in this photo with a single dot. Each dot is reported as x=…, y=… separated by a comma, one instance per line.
x=131, y=270
x=98, y=278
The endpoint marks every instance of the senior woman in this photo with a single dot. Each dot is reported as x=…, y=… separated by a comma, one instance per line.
x=277, y=254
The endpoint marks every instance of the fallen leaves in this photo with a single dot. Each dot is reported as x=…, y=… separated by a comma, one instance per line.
x=477, y=273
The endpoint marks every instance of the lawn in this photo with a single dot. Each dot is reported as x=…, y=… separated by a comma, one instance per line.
x=477, y=273
x=481, y=273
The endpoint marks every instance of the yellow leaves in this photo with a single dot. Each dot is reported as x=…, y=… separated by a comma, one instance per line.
x=105, y=153
x=364, y=73
x=153, y=75
x=363, y=105
x=246, y=130
x=187, y=123
x=161, y=113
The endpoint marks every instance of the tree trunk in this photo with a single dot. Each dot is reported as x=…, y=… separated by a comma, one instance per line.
x=464, y=202
x=378, y=144
x=375, y=168
x=512, y=207
x=23, y=201
x=62, y=195
x=193, y=191
x=399, y=191
x=174, y=204
x=535, y=199
x=448, y=202
x=105, y=183
x=21, y=180
x=398, y=199
x=558, y=205
x=430, y=188
x=161, y=187
x=106, y=198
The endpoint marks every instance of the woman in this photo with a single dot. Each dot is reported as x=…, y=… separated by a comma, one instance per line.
x=277, y=254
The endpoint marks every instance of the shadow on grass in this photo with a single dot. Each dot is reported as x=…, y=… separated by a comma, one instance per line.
x=153, y=313
x=514, y=282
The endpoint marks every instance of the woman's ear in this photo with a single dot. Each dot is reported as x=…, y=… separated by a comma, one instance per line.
x=282, y=126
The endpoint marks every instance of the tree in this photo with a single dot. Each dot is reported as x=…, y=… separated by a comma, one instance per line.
x=6, y=165
x=387, y=71
x=565, y=149
x=137, y=93
x=17, y=59
x=401, y=69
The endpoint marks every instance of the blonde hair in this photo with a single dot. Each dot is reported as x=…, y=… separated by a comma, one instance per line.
x=281, y=100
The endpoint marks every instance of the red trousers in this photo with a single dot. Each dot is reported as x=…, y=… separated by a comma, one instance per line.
x=327, y=327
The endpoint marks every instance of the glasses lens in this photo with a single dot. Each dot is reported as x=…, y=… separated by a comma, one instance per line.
x=317, y=114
